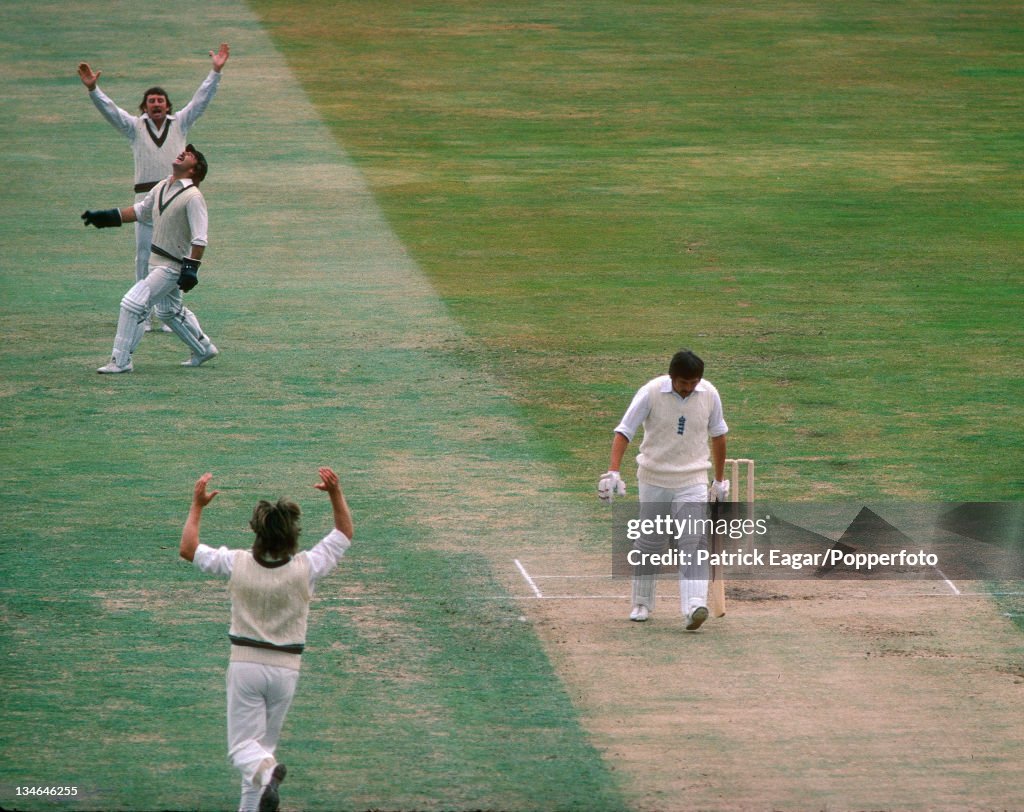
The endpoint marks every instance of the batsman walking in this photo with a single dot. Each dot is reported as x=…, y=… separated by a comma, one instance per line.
x=177, y=211
x=684, y=434
x=271, y=587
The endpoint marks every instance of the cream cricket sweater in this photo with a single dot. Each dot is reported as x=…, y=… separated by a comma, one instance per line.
x=171, y=230
x=154, y=150
x=269, y=610
x=674, y=452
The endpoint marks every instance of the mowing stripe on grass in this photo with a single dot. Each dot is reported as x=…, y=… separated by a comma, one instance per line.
x=335, y=351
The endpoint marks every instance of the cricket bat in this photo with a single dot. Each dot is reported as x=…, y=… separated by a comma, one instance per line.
x=716, y=583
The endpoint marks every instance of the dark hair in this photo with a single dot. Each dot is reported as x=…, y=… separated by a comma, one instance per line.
x=277, y=529
x=202, y=167
x=155, y=91
x=685, y=364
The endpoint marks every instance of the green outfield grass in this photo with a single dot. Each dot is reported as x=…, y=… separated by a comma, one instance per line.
x=422, y=686
x=822, y=199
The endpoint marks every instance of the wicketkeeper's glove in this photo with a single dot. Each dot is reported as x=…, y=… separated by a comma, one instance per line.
x=189, y=277
x=719, y=491
x=609, y=486
x=105, y=218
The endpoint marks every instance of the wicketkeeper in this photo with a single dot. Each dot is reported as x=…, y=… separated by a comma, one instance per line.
x=155, y=136
x=177, y=211
x=680, y=413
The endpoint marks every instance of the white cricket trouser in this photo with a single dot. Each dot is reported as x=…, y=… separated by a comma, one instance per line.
x=143, y=242
x=259, y=697
x=688, y=505
x=160, y=290
x=143, y=245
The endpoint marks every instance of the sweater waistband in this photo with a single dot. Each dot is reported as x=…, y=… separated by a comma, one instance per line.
x=287, y=648
x=160, y=252
x=672, y=479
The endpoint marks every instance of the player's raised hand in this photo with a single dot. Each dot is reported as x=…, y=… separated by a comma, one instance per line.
x=220, y=57
x=200, y=496
x=328, y=481
x=88, y=76
x=332, y=487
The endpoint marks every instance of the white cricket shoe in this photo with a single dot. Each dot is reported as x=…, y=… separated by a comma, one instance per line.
x=114, y=369
x=696, y=618
x=210, y=351
x=639, y=613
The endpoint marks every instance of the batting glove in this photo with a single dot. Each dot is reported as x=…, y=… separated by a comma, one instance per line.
x=105, y=218
x=609, y=486
x=719, y=491
x=189, y=277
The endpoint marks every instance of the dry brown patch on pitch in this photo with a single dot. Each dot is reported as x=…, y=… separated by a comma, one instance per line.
x=805, y=696
x=479, y=506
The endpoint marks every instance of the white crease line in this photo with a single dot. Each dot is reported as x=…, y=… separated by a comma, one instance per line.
x=538, y=594
x=571, y=598
x=529, y=580
x=591, y=577
x=949, y=583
